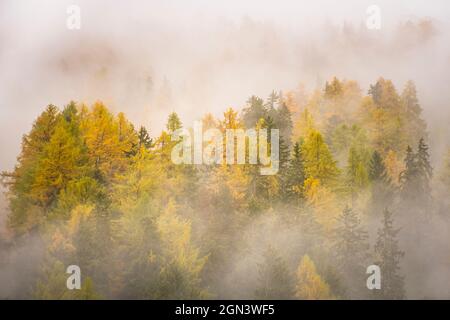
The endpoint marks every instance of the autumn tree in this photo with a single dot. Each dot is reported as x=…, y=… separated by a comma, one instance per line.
x=173, y=123
x=310, y=285
x=319, y=162
x=416, y=126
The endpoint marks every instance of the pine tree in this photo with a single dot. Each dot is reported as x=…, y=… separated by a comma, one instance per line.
x=144, y=139
x=275, y=280
x=356, y=173
x=381, y=185
x=294, y=178
x=408, y=177
x=173, y=123
x=388, y=256
x=350, y=248
x=310, y=285
x=284, y=123
x=416, y=126
x=333, y=89
x=270, y=104
x=253, y=112
x=415, y=180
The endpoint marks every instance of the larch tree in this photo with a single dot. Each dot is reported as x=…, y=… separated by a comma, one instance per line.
x=319, y=162
x=310, y=285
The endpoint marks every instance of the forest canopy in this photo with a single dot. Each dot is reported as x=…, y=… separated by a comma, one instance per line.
x=355, y=187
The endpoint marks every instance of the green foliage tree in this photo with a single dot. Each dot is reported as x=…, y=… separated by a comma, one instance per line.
x=173, y=123
x=388, y=257
x=275, y=280
x=350, y=247
x=381, y=185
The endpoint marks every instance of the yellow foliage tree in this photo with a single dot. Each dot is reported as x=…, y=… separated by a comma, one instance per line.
x=310, y=286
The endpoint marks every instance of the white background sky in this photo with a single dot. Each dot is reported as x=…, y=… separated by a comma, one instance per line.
x=203, y=55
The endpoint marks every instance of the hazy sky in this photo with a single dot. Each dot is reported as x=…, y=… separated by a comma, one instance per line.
x=148, y=58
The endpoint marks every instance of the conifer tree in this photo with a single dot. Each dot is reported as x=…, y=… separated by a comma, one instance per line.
x=415, y=180
x=381, y=185
x=144, y=139
x=388, y=257
x=284, y=123
x=295, y=176
x=310, y=286
x=319, y=162
x=356, y=173
x=173, y=123
x=350, y=247
x=253, y=112
x=275, y=280
x=416, y=126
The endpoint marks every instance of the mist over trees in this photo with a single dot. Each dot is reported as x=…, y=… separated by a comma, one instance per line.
x=355, y=188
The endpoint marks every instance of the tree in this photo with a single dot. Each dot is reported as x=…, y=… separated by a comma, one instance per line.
x=295, y=176
x=350, y=248
x=275, y=281
x=283, y=122
x=388, y=256
x=21, y=180
x=319, y=162
x=181, y=261
x=381, y=185
x=109, y=141
x=253, y=112
x=310, y=285
x=415, y=180
x=64, y=159
x=271, y=102
x=173, y=123
x=416, y=126
x=356, y=173
x=333, y=89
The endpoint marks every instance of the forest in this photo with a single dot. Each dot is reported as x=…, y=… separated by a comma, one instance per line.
x=355, y=187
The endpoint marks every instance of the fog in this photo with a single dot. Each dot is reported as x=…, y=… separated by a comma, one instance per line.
x=149, y=58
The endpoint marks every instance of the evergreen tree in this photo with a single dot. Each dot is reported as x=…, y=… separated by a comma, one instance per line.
x=284, y=123
x=350, y=247
x=275, y=280
x=415, y=180
x=253, y=112
x=356, y=173
x=388, y=256
x=381, y=185
x=173, y=123
x=295, y=176
x=416, y=126
x=271, y=103
x=144, y=139
x=333, y=89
